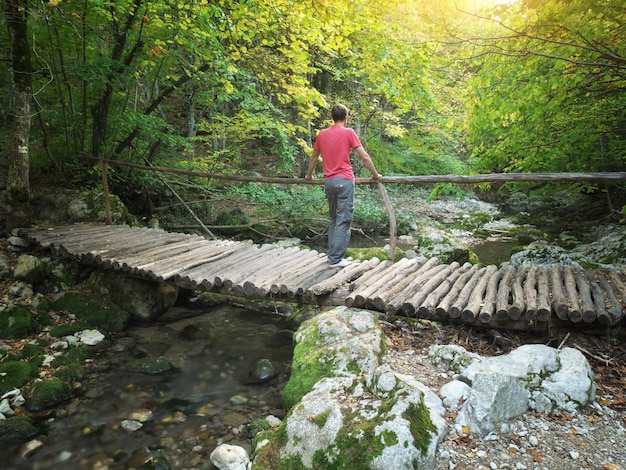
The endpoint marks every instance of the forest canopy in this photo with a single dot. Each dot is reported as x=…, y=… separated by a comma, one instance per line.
x=434, y=87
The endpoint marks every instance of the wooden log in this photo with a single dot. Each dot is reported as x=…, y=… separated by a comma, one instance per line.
x=477, y=296
x=443, y=308
x=268, y=266
x=569, y=278
x=369, y=278
x=518, y=304
x=488, y=308
x=402, y=268
x=137, y=254
x=530, y=294
x=420, y=277
x=121, y=249
x=135, y=263
x=347, y=274
x=616, y=309
x=544, y=309
x=586, y=302
x=599, y=300
x=166, y=257
x=372, y=279
x=435, y=276
x=618, y=286
x=278, y=278
x=207, y=255
x=399, y=283
x=427, y=309
x=559, y=301
x=461, y=301
x=317, y=269
x=504, y=292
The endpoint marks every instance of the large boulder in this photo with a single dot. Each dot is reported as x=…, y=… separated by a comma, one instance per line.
x=350, y=409
x=69, y=206
x=145, y=300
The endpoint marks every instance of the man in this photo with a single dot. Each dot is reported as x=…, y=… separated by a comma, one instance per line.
x=334, y=145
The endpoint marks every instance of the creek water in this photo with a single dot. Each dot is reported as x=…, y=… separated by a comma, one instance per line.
x=206, y=398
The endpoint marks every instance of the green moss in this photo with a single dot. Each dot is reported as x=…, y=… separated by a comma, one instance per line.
x=150, y=365
x=320, y=419
x=309, y=365
x=422, y=428
x=97, y=312
x=68, y=329
x=259, y=425
x=31, y=350
x=46, y=394
x=16, y=322
x=364, y=254
x=77, y=354
x=15, y=374
x=70, y=372
x=18, y=427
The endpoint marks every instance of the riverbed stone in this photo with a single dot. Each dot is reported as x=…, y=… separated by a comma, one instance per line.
x=230, y=457
x=30, y=269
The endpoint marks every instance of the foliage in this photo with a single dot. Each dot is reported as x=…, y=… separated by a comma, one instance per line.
x=548, y=96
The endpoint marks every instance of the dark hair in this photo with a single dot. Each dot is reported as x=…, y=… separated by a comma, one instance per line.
x=339, y=112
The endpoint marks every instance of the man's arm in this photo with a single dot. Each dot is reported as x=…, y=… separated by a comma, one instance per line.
x=367, y=162
x=312, y=164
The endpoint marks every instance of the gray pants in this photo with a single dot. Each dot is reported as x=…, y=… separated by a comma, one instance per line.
x=340, y=195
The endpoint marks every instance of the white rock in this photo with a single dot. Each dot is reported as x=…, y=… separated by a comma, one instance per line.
x=229, y=457
x=454, y=394
x=90, y=337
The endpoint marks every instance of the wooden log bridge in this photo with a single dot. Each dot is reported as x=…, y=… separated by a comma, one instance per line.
x=520, y=298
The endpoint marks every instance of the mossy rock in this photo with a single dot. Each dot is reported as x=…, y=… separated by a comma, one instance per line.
x=46, y=394
x=16, y=322
x=62, y=274
x=18, y=427
x=364, y=254
x=15, y=374
x=93, y=310
x=150, y=365
x=70, y=372
x=77, y=354
x=30, y=269
x=68, y=329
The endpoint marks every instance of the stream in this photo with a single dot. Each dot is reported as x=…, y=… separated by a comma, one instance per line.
x=123, y=419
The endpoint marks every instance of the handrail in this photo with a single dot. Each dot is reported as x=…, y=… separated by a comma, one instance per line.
x=460, y=179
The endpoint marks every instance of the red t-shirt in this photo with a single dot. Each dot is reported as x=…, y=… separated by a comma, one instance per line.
x=335, y=143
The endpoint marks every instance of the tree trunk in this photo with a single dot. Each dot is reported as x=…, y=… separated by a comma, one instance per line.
x=18, y=185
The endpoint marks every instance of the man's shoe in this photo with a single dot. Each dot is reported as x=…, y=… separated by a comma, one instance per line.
x=340, y=264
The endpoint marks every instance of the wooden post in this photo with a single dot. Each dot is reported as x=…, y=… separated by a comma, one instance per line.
x=105, y=190
x=392, y=222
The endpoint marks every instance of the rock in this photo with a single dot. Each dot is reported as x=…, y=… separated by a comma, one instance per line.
x=531, y=377
x=29, y=269
x=261, y=371
x=5, y=267
x=146, y=300
x=150, y=365
x=230, y=457
x=353, y=411
x=131, y=425
x=90, y=337
x=45, y=394
x=69, y=206
x=454, y=394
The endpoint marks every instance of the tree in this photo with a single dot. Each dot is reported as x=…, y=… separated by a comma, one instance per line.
x=18, y=184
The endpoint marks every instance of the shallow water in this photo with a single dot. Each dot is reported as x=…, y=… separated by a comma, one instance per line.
x=185, y=413
x=494, y=251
